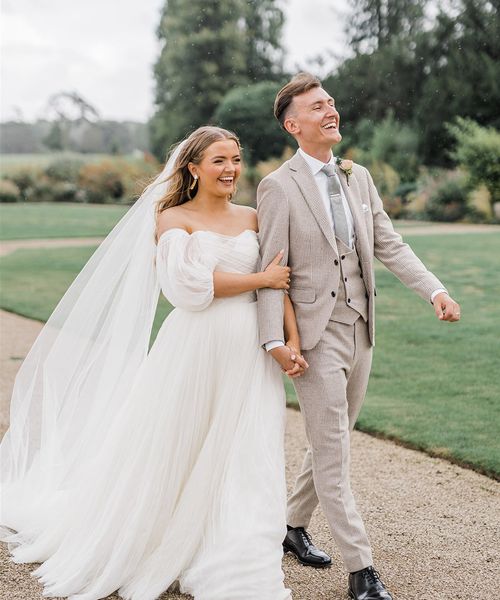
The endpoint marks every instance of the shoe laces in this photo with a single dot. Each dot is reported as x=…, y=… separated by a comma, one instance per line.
x=372, y=575
x=305, y=537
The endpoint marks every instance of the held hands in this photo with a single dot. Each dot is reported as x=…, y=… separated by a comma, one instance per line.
x=446, y=308
x=290, y=360
x=277, y=276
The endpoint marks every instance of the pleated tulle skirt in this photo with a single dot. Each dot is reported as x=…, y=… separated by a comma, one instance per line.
x=189, y=482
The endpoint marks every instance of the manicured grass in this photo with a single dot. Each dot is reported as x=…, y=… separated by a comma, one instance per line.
x=434, y=385
x=61, y=220
x=33, y=281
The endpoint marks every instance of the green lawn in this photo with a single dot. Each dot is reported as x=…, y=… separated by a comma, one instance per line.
x=33, y=281
x=51, y=220
x=434, y=385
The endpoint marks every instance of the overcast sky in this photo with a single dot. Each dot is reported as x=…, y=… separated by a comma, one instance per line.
x=105, y=50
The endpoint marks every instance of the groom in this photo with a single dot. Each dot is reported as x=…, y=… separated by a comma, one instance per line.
x=331, y=224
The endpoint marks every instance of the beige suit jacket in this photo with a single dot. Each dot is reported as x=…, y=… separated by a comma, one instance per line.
x=292, y=217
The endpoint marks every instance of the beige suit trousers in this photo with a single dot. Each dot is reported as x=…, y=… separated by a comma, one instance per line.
x=330, y=394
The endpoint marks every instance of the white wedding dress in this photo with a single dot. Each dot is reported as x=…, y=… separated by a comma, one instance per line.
x=189, y=483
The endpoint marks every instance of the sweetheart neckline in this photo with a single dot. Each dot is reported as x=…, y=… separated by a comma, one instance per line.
x=207, y=231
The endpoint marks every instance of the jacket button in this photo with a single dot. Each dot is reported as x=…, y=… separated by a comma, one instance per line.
x=366, y=295
x=343, y=256
x=335, y=262
x=333, y=294
x=345, y=278
x=349, y=300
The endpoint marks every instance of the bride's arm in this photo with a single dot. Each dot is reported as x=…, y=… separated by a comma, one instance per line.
x=231, y=284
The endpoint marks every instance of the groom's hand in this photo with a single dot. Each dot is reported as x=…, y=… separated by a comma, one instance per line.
x=446, y=308
x=290, y=362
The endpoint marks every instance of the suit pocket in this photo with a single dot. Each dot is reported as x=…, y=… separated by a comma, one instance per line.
x=302, y=295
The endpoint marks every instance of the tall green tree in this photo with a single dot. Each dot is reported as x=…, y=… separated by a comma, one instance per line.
x=263, y=24
x=376, y=23
x=461, y=55
x=207, y=49
x=426, y=78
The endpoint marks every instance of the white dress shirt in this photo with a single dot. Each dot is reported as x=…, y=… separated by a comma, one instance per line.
x=322, y=182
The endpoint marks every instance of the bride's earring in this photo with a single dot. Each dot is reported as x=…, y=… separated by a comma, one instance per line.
x=195, y=179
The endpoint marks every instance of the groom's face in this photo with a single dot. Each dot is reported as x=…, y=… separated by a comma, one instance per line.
x=313, y=118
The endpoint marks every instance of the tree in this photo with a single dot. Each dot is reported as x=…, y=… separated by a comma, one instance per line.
x=248, y=110
x=69, y=106
x=425, y=78
x=461, y=55
x=374, y=85
x=55, y=140
x=376, y=23
x=263, y=51
x=207, y=49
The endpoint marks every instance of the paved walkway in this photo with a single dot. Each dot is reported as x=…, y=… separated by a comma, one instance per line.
x=434, y=526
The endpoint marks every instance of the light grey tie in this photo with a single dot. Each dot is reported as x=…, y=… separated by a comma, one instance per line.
x=338, y=212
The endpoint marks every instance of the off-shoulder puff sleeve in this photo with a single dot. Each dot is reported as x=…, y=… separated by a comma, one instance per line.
x=185, y=271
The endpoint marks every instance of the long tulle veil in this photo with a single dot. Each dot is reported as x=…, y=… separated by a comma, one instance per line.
x=74, y=379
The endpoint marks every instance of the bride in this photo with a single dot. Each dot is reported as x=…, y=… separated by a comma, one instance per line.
x=130, y=470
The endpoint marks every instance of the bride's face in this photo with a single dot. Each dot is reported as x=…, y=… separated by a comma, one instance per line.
x=219, y=169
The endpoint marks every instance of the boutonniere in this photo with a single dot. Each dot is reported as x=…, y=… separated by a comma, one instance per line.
x=346, y=166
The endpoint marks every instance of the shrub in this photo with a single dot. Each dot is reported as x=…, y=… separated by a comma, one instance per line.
x=449, y=202
x=64, y=169
x=101, y=182
x=9, y=192
x=477, y=150
x=40, y=191
x=387, y=181
x=388, y=142
x=24, y=178
x=64, y=191
x=405, y=189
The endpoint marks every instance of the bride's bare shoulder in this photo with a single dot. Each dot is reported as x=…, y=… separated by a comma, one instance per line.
x=175, y=217
x=248, y=216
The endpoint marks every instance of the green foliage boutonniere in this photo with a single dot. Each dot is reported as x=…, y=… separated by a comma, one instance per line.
x=346, y=166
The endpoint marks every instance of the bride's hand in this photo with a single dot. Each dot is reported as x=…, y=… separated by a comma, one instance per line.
x=277, y=276
x=300, y=362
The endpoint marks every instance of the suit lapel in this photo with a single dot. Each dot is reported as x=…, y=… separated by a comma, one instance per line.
x=307, y=185
x=361, y=238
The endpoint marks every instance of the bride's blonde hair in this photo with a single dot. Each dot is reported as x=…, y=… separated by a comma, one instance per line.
x=181, y=181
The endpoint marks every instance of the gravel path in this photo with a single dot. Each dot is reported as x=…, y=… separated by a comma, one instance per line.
x=8, y=246
x=434, y=526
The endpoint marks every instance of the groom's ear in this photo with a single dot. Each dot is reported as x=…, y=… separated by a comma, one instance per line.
x=291, y=125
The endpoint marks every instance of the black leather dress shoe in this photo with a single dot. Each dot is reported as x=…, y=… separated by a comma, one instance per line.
x=366, y=585
x=299, y=543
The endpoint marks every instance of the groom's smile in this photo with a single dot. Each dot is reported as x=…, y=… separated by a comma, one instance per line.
x=313, y=120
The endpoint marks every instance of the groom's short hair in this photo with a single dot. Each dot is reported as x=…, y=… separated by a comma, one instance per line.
x=299, y=84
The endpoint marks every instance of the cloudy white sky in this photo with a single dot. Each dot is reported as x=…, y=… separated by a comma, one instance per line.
x=105, y=49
